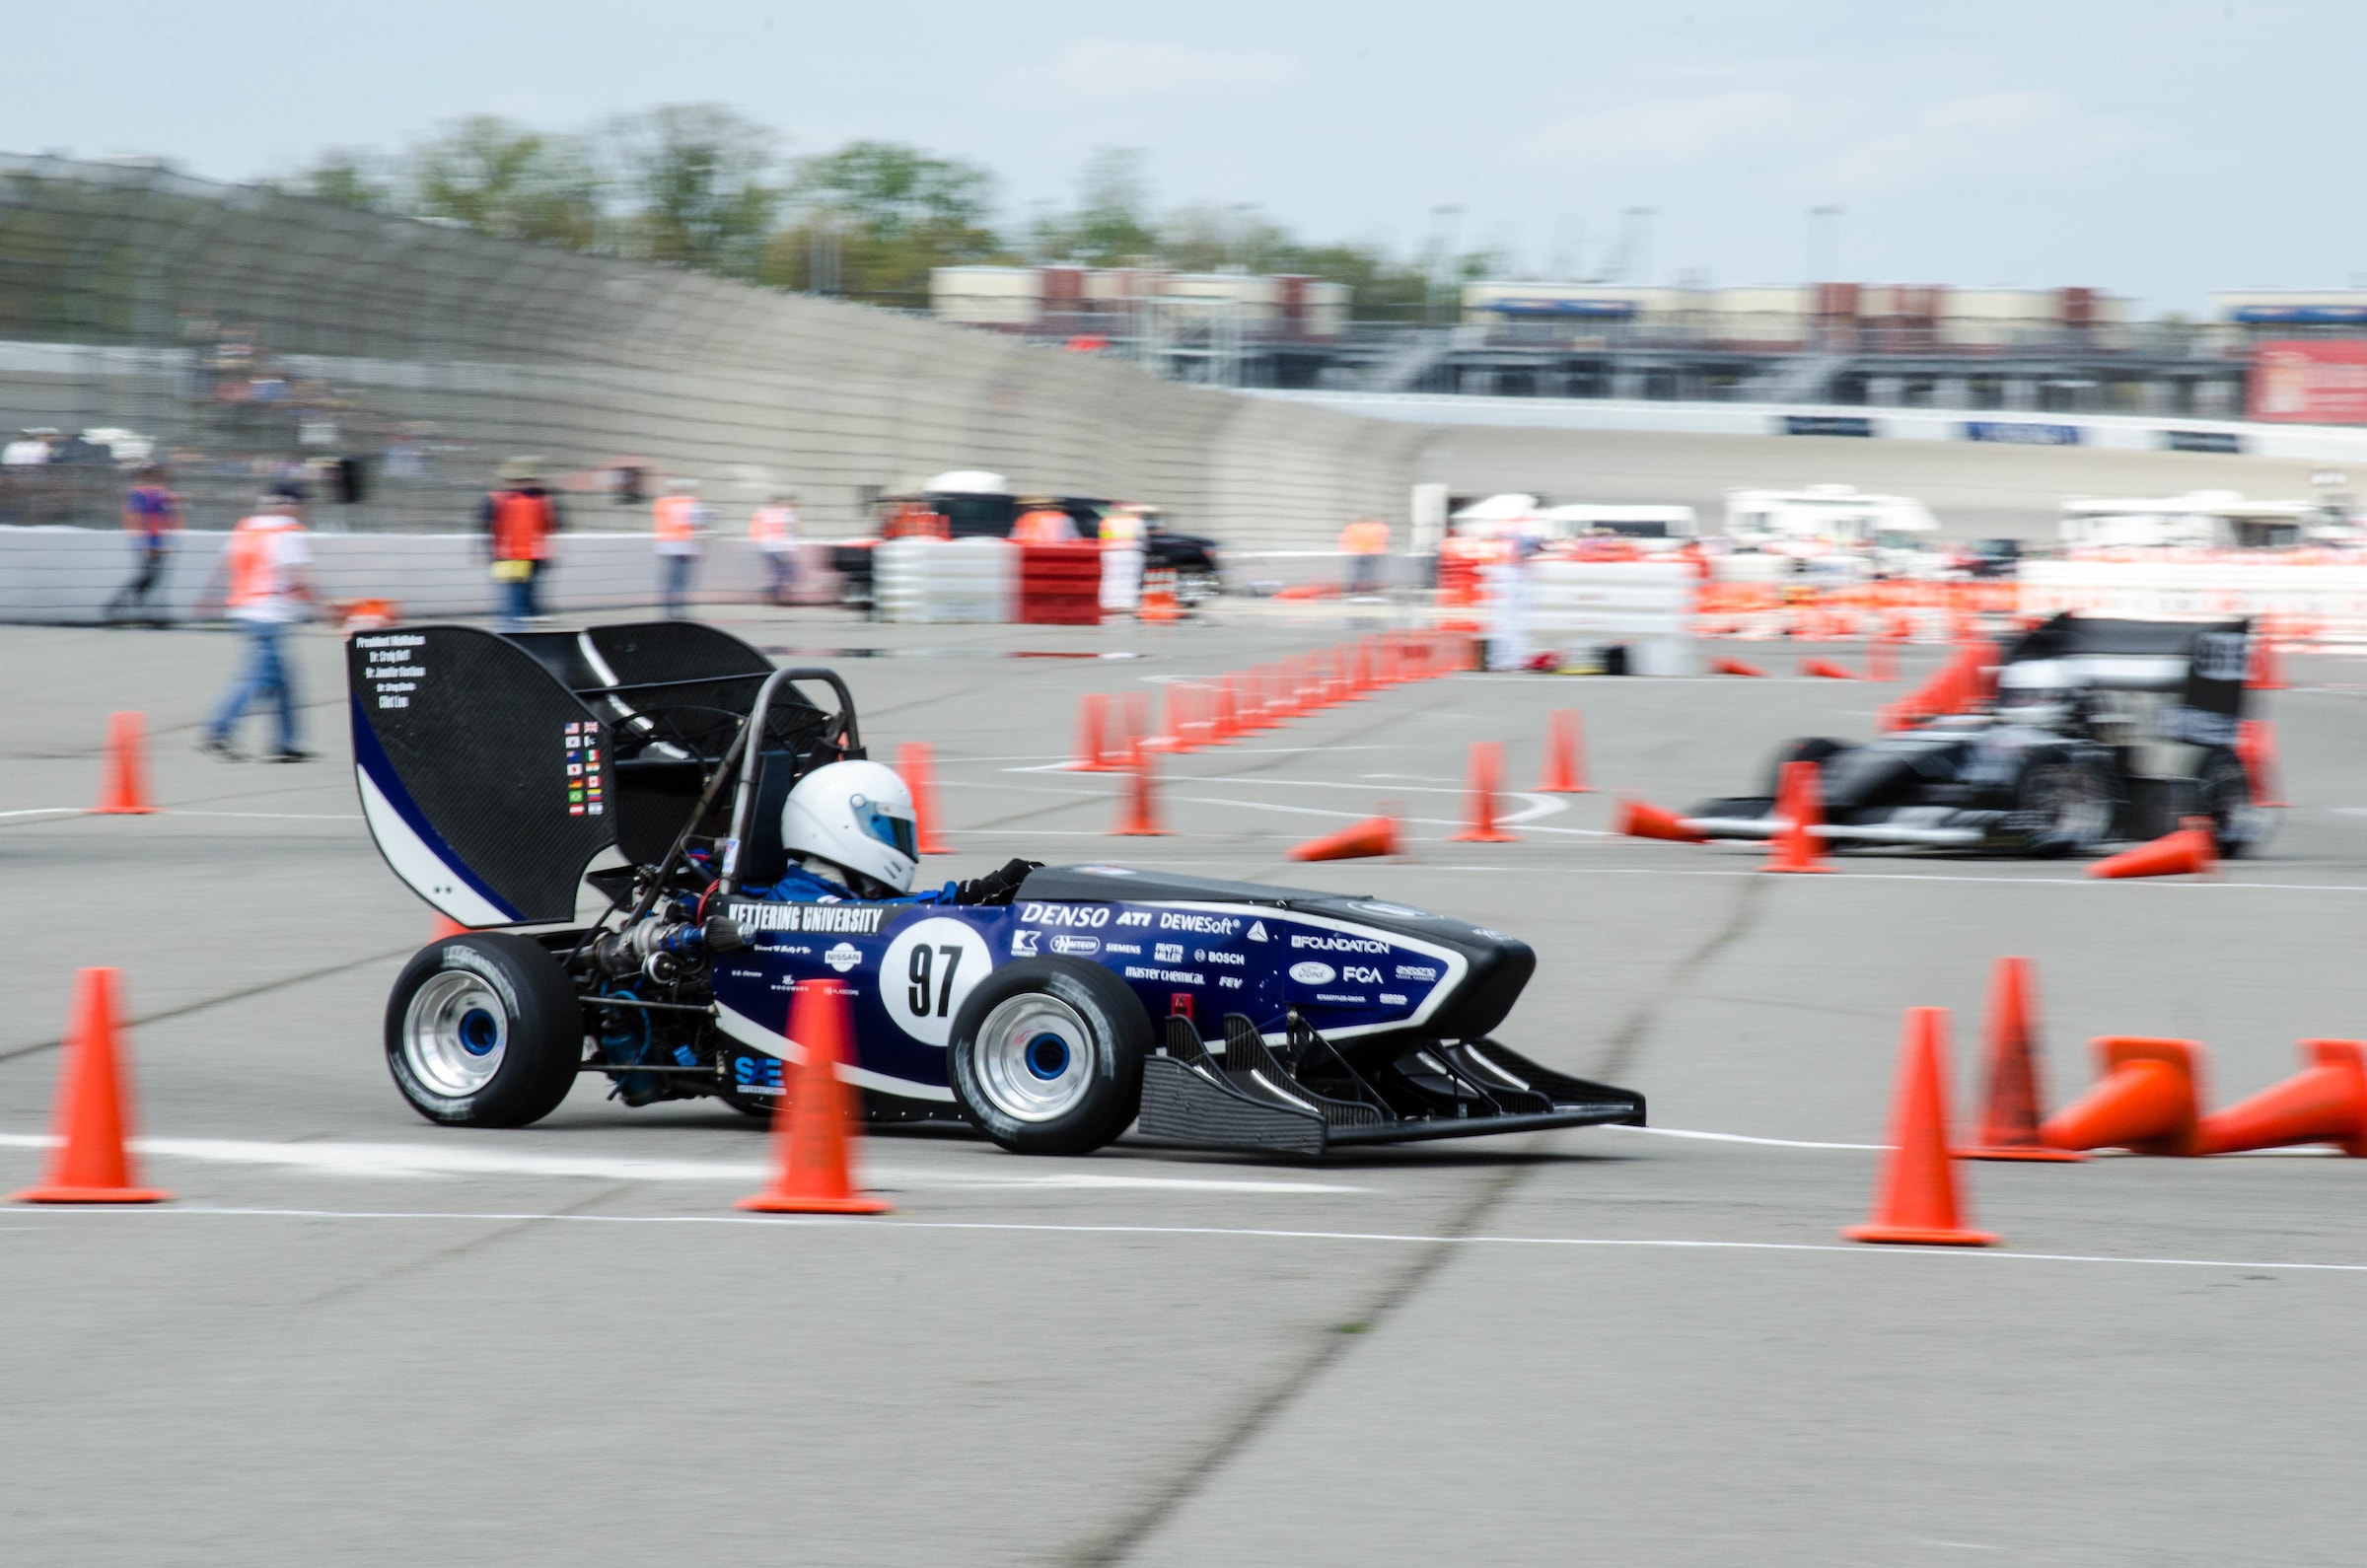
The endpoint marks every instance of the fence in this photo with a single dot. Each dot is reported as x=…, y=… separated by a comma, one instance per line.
x=249, y=331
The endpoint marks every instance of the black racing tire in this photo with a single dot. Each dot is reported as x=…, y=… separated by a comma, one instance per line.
x=2068, y=802
x=1045, y=1056
x=483, y=1031
x=2225, y=788
x=1810, y=749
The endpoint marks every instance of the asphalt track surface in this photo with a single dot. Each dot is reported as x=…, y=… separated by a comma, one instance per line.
x=1974, y=491
x=357, y=1338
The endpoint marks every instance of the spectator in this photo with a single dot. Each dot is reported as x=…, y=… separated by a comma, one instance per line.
x=151, y=516
x=520, y=519
x=772, y=529
x=1365, y=542
x=270, y=591
x=681, y=523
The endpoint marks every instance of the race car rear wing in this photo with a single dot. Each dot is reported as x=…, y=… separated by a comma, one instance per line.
x=493, y=768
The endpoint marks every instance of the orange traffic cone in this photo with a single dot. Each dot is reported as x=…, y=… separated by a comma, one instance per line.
x=1797, y=846
x=1093, y=735
x=2255, y=748
x=1641, y=819
x=1374, y=835
x=912, y=763
x=1227, y=726
x=1733, y=667
x=812, y=1135
x=2010, y=1114
x=2267, y=671
x=1916, y=1202
x=124, y=790
x=2179, y=854
x=2146, y=1101
x=1825, y=670
x=2324, y=1102
x=1141, y=820
x=94, y=1110
x=1566, y=760
x=444, y=926
x=1487, y=766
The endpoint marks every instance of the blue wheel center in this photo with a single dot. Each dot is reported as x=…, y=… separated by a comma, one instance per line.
x=1047, y=1056
x=480, y=1031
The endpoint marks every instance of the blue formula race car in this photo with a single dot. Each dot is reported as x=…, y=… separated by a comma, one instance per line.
x=1049, y=1007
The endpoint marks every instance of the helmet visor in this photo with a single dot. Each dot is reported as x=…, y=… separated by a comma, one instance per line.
x=890, y=829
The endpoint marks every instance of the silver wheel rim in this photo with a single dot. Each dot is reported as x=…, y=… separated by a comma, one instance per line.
x=454, y=1033
x=2075, y=804
x=1035, y=1058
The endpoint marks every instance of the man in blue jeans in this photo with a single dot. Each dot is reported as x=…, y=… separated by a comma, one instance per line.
x=269, y=592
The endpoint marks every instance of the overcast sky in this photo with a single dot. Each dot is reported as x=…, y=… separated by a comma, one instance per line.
x=2155, y=148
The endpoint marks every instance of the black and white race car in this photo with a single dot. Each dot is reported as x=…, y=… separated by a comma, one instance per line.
x=2101, y=730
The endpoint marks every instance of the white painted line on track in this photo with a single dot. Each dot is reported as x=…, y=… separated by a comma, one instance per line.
x=418, y=1160
x=48, y=811
x=1739, y=1137
x=888, y=1225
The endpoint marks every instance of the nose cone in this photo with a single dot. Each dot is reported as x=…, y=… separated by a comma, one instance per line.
x=1497, y=966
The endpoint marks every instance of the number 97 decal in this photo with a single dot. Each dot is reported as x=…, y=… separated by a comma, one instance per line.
x=926, y=976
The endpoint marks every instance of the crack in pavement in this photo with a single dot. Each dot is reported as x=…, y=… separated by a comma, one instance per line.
x=1119, y=1544
x=1625, y=1041
x=18, y=1052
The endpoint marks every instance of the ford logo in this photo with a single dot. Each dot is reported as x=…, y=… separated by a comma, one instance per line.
x=1078, y=946
x=1311, y=973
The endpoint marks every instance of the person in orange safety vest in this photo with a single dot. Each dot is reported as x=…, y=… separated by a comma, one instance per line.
x=518, y=520
x=1365, y=542
x=680, y=522
x=269, y=592
x=1044, y=523
x=772, y=529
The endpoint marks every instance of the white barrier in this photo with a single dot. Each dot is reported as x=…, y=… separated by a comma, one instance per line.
x=66, y=575
x=925, y=579
x=1649, y=606
x=2316, y=602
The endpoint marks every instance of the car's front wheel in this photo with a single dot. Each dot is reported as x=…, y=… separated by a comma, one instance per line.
x=2066, y=805
x=1045, y=1056
x=483, y=1031
x=2240, y=824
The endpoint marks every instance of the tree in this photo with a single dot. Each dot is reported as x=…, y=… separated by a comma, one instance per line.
x=502, y=178
x=888, y=213
x=349, y=177
x=696, y=176
x=1112, y=225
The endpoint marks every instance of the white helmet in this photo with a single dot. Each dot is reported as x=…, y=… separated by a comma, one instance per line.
x=857, y=815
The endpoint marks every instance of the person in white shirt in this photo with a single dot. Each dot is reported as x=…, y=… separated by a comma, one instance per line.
x=772, y=529
x=269, y=592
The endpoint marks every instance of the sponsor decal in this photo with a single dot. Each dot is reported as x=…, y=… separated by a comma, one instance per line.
x=1168, y=952
x=1135, y=972
x=393, y=641
x=2220, y=441
x=1313, y=973
x=1130, y=948
x=1218, y=956
x=1066, y=915
x=854, y=920
x=1075, y=946
x=2020, y=433
x=843, y=957
x=1417, y=971
x=756, y=1075
x=1135, y=918
x=1332, y=944
x=1256, y=931
x=1352, y=1000
x=1823, y=425
x=1203, y=924
x=1023, y=944
x=1231, y=982
x=1389, y=999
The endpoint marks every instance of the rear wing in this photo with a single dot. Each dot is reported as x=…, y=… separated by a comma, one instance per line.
x=2203, y=665
x=494, y=769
